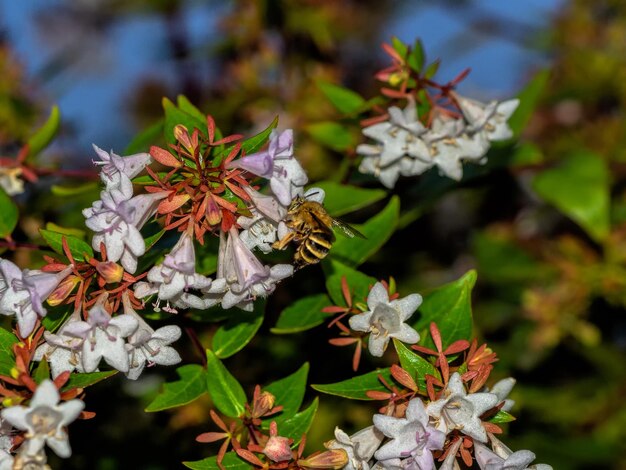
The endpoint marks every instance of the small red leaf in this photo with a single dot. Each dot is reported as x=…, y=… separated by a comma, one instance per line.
x=164, y=157
x=169, y=205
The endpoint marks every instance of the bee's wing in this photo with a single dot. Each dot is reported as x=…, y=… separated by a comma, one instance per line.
x=348, y=230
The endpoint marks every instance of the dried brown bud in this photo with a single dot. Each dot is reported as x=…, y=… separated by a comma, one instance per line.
x=262, y=404
x=65, y=288
x=330, y=459
x=110, y=271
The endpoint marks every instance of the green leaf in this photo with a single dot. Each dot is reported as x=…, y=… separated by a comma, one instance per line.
x=529, y=98
x=303, y=314
x=42, y=372
x=74, y=190
x=175, y=116
x=142, y=141
x=579, y=188
x=354, y=251
x=254, y=143
x=417, y=56
x=7, y=358
x=358, y=282
x=345, y=100
x=299, y=424
x=342, y=199
x=356, y=387
x=231, y=461
x=415, y=364
x=85, y=380
x=238, y=331
x=78, y=247
x=192, y=384
x=44, y=135
x=332, y=135
x=226, y=392
x=289, y=392
x=152, y=239
x=187, y=106
x=401, y=48
x=502, y=417
x=432, y=69
x=8, y=214
x=55, y=317
x=450, y=307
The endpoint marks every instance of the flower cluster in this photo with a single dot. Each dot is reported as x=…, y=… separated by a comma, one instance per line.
x=419, y=434
x=405, y=146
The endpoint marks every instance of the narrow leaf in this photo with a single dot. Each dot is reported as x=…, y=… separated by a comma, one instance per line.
x=297, y=425
x=7, y=358
x=8, y=214
x=80, y=249
x=289, y=392
x=450, y=308
x=192, y=384
x=345, y=100
x=226, y=392
x=85, y=380
x=238, y=331
x=44, y=135
x=342, y=199
x=580, y=188
x=231, y=461
x=356, y=387
x=303, y=314
x=354, y=251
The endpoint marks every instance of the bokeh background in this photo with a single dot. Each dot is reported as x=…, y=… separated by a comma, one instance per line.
x=550, y=299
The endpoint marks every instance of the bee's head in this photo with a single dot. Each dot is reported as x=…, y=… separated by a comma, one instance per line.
x=296, y=202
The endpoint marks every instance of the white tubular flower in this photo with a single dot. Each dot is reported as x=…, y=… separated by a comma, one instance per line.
x=501, y=389
x=385, y=319
x=508, y=458
x=61, y=350
x=44, y=420
x=177, y=274
x=103, y=337
x=244, y=274
x=412, y=438
x=117, y=223
x=10, y=180
x=148, y=346
x=118, y=171
x=490, y=119
x=22, y=293
x=460, y=410
x=360, y=447
x=287, y=177
x=260, y=230
x=6, y=460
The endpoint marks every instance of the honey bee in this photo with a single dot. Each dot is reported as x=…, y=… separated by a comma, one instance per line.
x=312, y=230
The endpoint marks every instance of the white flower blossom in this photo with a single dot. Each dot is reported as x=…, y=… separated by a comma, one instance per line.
x=490, y=119
x=412, y=437
x=260, y=230
x=10, y=180
x=460, y=410
x=360, y=447
x=45, y=420
x=22, y=293
x=61, y=350
x=103, y=337
x=246, y=277
x=385, y=319
x=118, y=171
x=116, y=223
x=146, y=345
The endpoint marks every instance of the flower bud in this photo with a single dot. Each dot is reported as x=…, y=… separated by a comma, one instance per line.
x=213, y=212
x=263, y=404
x=110, y=271
x=63, y=290
x=277, y=449
x=330, y=459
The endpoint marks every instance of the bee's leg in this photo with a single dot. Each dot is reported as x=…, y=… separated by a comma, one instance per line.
x=283, y=242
